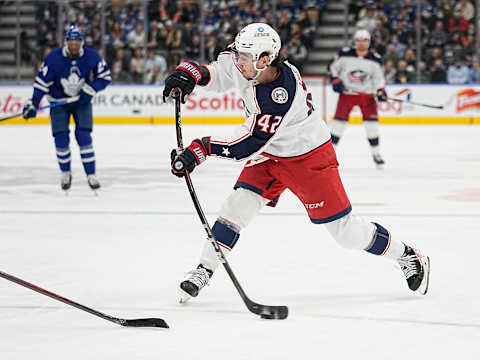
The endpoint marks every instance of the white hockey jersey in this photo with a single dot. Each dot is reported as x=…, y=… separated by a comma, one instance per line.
x=358, y=74
x=281, y=121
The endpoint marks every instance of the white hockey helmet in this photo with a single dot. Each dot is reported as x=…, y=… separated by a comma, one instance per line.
x=361, y=34
x=258, y=38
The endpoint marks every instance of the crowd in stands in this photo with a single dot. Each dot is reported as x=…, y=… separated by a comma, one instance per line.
x=139, y=54
x=448, y=39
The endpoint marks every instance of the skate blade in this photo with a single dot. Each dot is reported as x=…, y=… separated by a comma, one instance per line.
x=380, y=166
x=423, y=288
x=184, y=297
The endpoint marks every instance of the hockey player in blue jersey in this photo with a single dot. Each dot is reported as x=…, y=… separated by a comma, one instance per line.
x=69, y=72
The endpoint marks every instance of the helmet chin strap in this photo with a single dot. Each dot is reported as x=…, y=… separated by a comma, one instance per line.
x=259, y=71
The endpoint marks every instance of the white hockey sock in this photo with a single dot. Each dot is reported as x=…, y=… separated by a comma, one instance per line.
x=354, y=232
x=375, y=150
x=337, y=128
x=373, y=136
x=209, y=257
x=396, y=250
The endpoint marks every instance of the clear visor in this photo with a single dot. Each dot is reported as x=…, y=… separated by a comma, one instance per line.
x=243, y=58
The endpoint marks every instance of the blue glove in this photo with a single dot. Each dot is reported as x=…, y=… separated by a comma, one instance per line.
x=337, y=85
x=382, y=95
x=84, y=97
x=29, y=111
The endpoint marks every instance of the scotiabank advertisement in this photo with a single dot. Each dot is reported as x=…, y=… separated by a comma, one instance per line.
x=415, y=104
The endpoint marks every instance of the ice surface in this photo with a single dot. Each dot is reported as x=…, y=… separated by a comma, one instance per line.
x=125, y=251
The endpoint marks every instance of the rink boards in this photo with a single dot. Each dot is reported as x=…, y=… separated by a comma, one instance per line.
x=143, y=104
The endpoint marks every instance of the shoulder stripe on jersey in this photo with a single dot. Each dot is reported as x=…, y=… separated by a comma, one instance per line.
x=40, y=87
x=88, y=89
x=105, y=73
x=43, y=83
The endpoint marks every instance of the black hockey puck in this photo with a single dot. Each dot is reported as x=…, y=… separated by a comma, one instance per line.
x=267, y=316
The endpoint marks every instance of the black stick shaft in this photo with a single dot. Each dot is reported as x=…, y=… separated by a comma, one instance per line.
x=135, y=322
x=57, y=297
x=418, y=104
x=198, y=208
x=252, y=306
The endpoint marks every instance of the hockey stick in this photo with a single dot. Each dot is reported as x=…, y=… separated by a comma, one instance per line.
x=440, y=107
x=265, y=311
x=418, y=104
x=149, y=322
x=49, y=106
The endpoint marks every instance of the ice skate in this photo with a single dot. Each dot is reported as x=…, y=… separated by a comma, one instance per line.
x=379, y=162
x=93, y=182
x=194, y=282
x=66, y=180
x=416, y=268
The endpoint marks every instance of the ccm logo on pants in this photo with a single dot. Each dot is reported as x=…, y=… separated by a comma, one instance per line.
x=315, y=205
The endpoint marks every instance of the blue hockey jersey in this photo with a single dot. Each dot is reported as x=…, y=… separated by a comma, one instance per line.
x=61, y=77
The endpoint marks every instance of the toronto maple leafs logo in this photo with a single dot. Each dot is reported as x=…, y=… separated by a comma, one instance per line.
x=280, y=95
x=74, y=82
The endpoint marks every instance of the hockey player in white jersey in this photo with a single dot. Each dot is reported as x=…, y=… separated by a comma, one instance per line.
x=286, y=145
x=357, y=75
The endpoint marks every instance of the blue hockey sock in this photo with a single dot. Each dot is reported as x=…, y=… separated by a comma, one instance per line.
x=62, y=141
x=373, y=141
x=225, y=234
x=84, y=140
x=380, y=242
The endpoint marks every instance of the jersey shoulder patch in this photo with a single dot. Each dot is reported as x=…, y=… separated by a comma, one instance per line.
x=276, y=97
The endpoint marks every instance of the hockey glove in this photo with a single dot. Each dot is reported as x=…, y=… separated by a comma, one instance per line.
x=193, y=155
x=337, y=85
x=382, y=95
x=29, y=111
x=84, y=98
x=184, y=78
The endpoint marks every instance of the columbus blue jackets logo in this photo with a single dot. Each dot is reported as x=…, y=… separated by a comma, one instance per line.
x=280, y=95
x=357, y=76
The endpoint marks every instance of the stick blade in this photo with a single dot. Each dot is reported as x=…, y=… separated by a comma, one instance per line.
x=269, y=312
x=149, y=322
x=275, y=313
